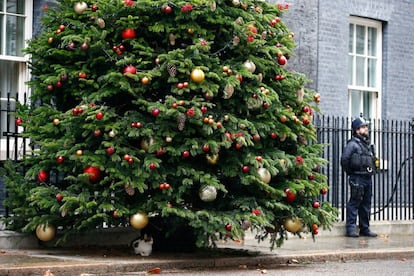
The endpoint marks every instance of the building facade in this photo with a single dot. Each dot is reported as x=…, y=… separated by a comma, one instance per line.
x=358, y=54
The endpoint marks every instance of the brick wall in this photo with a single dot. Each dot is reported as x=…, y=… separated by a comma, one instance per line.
x=321, y=33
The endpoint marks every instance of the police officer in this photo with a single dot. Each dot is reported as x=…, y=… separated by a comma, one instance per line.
x=359, y=163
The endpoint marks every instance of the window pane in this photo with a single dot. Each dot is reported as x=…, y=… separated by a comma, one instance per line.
x=351, y=38
x=355, y=103
x=372, y=41
x=15, y=6
x=9, y=82
x=1, y=35
x=1, y=5
x=360, y=39
x=368, y=101
x=372, y=71
x=360, y=66
x=350, y=70
x=14, y=36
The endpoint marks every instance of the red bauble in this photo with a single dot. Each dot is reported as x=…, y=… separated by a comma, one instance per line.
x=59, y=197
x=155, y=112
x=324, y=191
x=129, y=3
x=99, y=115
x=60, y=159
x=256, y=138
x=256, y=212
x=282, y=60
x=110, y=150
x=94, y=173
x=299, y=160
x=130, y=69
x=82, y=75
x=152, y=166
x=316, y=204
x=190, y=112
x=290, y=196
x=97, y=132
x=166, y=9
x=42, y=176
x=245, y=169
x=128, y=33
x=206, y=148
x=228, y=227
x=311, y=176
x=165, y=186
x=186, y=154
x=19, y=121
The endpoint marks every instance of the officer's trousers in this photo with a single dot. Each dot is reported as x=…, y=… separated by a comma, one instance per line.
x=359, y=204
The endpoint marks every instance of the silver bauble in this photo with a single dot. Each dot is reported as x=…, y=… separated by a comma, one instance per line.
x=264, y=175
x=80, y=7
x=208, y=193
x=249, y=65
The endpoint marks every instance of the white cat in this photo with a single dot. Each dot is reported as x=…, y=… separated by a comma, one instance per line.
x=143, y=246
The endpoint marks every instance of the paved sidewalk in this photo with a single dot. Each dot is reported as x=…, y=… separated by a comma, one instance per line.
x=229, y=255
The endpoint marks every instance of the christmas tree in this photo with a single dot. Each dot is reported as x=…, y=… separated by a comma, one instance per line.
x=183, y=111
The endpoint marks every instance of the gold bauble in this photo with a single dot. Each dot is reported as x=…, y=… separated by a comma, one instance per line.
x=45, y=232
x=138, y=220
x=197, y=75
x=264, y=175
x=293, y=225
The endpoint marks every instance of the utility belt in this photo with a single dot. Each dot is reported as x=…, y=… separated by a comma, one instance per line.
x=366, y=171
x=363, y=164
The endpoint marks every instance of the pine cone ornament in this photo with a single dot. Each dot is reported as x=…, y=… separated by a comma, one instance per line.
x=236, y=40
x=228, y=91
x=181, y=121
x=172, y=70
x=129, y=189
x=171, y=37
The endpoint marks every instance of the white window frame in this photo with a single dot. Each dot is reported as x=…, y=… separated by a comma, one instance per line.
x=375, y=103
x=23, y=75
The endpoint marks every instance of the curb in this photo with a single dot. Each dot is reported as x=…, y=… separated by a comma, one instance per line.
x=140, y=267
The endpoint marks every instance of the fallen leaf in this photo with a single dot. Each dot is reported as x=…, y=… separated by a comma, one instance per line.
x=48, y=273
x=155, y=270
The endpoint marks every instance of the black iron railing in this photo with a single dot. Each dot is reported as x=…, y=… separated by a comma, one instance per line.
x=393, y=188
x=393, y=197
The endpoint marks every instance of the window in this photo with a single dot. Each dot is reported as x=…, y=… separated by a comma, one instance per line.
x=364, y=75
x=15, y=30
